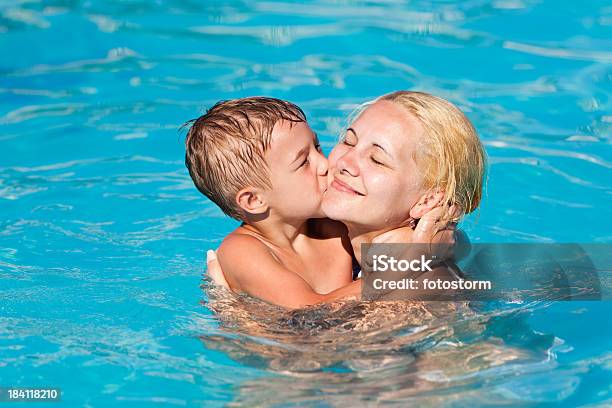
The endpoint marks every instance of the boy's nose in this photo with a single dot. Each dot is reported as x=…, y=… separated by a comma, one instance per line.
x=322, y=165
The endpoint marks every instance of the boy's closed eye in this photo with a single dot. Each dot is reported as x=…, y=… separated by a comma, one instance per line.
x=306, y=161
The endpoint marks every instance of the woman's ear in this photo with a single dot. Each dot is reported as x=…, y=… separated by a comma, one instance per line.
x=251, y=200
x=426, y=203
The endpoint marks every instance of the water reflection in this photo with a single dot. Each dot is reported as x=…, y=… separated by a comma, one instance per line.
x=373, y=352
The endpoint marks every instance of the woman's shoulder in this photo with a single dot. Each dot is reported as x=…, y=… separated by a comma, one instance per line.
x=398, y=235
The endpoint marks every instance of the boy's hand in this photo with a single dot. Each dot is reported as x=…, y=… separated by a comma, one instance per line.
x=214, y=269
x=432, y=228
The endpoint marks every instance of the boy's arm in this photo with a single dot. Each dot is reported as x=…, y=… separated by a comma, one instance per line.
x=249, y=267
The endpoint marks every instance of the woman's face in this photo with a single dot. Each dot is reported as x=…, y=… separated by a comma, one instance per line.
x=373, y=179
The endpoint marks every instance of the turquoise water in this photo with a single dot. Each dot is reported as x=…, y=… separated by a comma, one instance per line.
x=102, y=235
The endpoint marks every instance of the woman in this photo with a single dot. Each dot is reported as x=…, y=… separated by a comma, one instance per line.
x=408, y=156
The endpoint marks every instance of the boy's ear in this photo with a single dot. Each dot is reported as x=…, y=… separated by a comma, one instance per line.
x=426, y=203
x=251, y=200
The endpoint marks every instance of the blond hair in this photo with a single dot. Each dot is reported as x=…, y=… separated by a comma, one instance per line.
x=450, y=155
x=225, y=147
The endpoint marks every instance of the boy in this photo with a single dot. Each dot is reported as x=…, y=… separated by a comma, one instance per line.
x=260, y=162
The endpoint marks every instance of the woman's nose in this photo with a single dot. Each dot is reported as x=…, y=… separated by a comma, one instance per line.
x=347, y=163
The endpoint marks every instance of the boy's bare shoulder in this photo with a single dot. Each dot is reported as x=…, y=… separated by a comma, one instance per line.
x=326, y=228
x=239, y=241
x=239, y=255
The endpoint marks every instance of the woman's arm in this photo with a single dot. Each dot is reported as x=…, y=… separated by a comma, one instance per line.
x=214, y=269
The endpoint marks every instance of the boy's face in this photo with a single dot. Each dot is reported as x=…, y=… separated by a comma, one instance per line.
x=298, y=172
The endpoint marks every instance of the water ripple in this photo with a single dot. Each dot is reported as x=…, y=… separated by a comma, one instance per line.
x=103, y=235
x=555, y=52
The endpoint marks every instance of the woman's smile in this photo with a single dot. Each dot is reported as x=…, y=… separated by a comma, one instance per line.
x=341, y=186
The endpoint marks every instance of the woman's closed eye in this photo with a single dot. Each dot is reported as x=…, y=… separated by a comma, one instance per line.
x=350, y=137
x=376, y=161
x=347, y=141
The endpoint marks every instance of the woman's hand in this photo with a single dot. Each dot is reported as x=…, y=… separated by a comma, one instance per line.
x=214, y=269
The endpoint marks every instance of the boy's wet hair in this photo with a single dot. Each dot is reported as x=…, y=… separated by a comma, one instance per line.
x=225, y=147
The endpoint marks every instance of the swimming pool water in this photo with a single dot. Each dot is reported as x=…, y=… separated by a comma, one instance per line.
x=103, y=235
